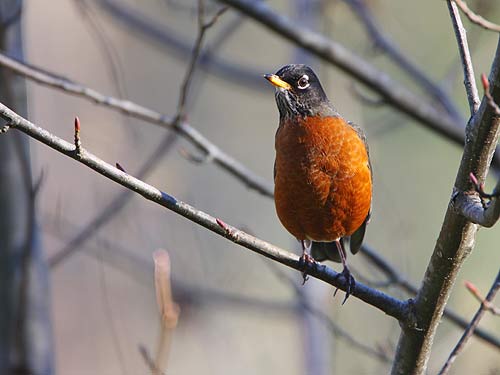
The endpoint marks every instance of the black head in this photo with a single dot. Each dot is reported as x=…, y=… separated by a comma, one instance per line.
x=299, y=92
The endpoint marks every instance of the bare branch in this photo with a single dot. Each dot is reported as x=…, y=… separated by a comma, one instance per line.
x=169, y=310
x=219, y=157
x=475, y=18
x=400, y=310
x=394, y=276
x=488, y=305
x=472, y=326
x=463, y=48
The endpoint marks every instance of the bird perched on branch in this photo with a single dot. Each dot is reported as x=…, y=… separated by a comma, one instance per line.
x=322, y=172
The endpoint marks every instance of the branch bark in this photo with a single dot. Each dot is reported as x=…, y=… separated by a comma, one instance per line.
x=456, y=239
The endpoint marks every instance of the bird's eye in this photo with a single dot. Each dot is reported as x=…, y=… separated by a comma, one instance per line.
x=303, y=82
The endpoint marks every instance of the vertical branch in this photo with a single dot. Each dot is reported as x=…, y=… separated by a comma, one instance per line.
x=463, y=48
x=169, y=310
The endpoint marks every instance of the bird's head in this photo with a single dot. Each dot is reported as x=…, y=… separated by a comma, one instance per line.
x=299, y=92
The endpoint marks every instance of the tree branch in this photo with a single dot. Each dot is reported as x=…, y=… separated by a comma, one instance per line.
x=475, y=18
x=472, y=326
x=463, y=48
x=401, y=310
x=455, y=241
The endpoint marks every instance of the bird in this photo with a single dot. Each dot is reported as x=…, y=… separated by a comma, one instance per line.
x=322, y=171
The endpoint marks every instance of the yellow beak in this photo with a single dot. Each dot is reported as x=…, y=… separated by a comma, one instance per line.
x=277, y=81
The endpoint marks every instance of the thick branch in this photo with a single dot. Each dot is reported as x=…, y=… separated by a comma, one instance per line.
x=214, y=153
x=463, y=48
x=398, y=309
x=455, y=241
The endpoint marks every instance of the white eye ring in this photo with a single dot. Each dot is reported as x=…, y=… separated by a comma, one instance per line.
x=303, y=82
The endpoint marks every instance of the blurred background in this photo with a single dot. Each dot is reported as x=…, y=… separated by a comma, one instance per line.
x=240, y=313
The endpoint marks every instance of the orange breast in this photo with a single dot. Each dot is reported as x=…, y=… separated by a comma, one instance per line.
x=323, y=183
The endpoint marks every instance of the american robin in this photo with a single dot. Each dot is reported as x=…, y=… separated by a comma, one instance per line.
x=322, y=172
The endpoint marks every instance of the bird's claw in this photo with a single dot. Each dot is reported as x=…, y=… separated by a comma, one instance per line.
x=304, y=261
x=350, y=283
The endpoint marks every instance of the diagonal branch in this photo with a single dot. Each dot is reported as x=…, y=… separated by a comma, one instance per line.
x=400, y=310
x=472, y=326
x=475, y=18
x=463, y=48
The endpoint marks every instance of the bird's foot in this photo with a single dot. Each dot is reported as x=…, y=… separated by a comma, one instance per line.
x=304, y=262
x=350, y=283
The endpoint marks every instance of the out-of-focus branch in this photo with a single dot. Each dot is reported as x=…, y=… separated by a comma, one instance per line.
x=463, y=48
x=383, y=42
x=26, y=340
x=395, y=278
x=111, y=210
x=475, y=18
x=488, y=305
x=391, y=91
x=213, y=152
x=472, y=326
x=456, y=239
x=161, y=34
x=169, y=310
x=400, y=310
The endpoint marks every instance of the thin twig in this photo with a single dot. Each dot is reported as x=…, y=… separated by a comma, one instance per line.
x=400, y=310
x=488, y=306
x=475, y=18
x=463, y=48
x=472, y=326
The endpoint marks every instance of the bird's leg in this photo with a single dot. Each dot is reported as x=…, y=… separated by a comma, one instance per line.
x=350, y=281
x=306, y=258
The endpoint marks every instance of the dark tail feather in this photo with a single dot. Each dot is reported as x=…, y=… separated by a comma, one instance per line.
x=321, y=251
